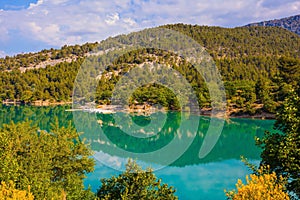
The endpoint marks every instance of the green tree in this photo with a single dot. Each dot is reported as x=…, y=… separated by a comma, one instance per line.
x=52, y=162
x=289, y=69
x=135, y=183
x=281, y=151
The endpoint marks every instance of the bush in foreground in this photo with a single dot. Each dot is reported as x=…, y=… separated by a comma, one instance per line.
x=9, y=192
x=134, y=184
x=53, y=163
x=258, y=187
x=281, y=151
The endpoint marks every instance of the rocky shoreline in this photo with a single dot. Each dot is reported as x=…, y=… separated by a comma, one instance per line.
x=36, y=103
x=147, y=109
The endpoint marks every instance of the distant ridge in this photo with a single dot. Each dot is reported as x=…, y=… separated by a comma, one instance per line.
x=290, y=23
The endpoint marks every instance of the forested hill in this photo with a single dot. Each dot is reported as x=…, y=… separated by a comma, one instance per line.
x=242, y=41
x=46, y=57
x=220, y=42
x=258, y=65
x=290, y=23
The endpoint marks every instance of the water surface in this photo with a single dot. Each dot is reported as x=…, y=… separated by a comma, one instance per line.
x=193, y=177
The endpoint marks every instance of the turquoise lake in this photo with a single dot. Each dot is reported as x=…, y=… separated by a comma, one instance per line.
x=115, y=137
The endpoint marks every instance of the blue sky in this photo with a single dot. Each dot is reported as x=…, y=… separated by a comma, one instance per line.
x=33, y=25
x=15, y=4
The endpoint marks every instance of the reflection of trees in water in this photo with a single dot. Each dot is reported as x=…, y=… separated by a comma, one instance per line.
x=236, y=139
x=41, y=116
x=161, y=135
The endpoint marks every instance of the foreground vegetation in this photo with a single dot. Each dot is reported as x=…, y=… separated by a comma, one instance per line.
x=278, y=177
x=281, y=151
x=50, y=163
x=135, y=183
x=9, y=192
x=37, y=164
x=263, y=185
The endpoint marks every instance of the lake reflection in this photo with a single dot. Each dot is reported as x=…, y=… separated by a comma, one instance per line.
x=193, y=177
x=106, y=135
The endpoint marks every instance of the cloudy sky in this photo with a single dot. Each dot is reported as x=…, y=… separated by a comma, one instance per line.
x=33, y=25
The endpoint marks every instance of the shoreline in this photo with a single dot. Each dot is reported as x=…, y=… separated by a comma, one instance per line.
x=108, y=109
x=142, y=110
x=266, y=116
x=36, y=103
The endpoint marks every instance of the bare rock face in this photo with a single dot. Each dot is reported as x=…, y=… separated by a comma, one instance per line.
x=290, y=23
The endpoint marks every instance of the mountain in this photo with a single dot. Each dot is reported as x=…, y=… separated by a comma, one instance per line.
x=290, y=23
x=259, y=66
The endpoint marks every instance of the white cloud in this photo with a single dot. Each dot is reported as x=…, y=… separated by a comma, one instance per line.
x=112, y=19
x=4, y=36
x=296, y=6
x=57, y=22
x=32, y=5
x=58, y=2
x=34, y=27
x=2, y=54
x=130, y=21
x=49, y=33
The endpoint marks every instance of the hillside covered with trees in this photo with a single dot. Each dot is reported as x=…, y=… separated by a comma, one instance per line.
x=259, y=66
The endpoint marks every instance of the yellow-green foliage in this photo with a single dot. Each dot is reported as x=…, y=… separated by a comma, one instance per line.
x=9, y=192
x=257, y=187
x=50, y=162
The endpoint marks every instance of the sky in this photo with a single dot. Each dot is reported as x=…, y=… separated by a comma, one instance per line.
x=33, y=25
